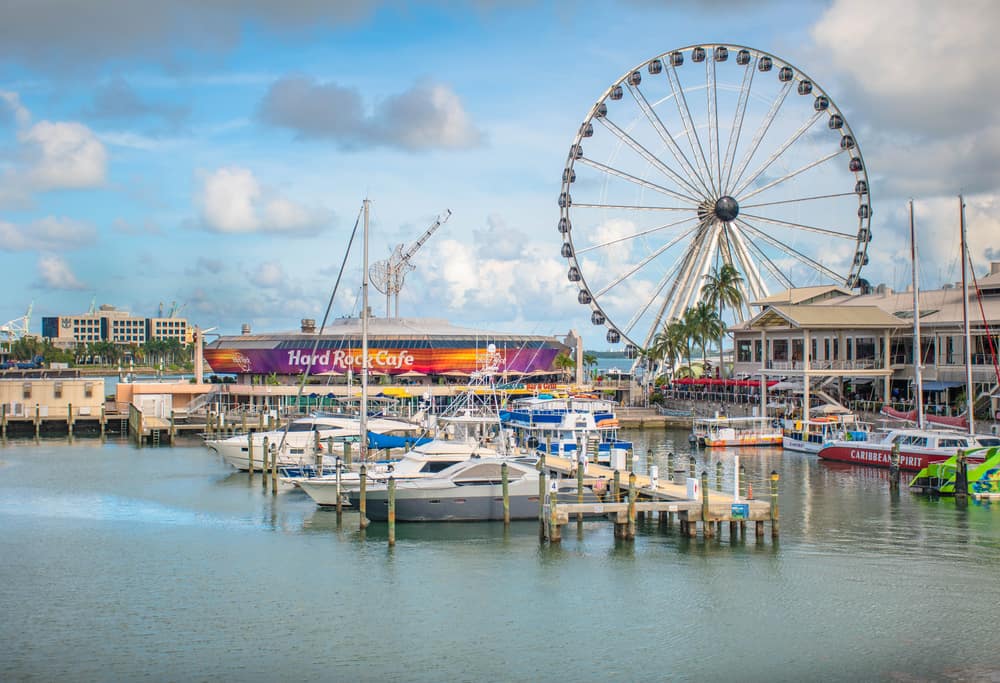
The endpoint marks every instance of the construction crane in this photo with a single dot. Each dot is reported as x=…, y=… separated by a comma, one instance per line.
x=12, y=330
x=387, y=276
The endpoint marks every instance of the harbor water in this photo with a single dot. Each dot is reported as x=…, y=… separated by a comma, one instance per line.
x=161, y=564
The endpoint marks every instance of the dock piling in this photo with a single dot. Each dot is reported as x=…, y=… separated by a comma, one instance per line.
x=706, y=525
x=774, y=503
x=363, y=494
x=670, y=466
x=392, y=511
x=691, y=466
x=274, y=469
x=555, y=534
x=718, y=475
x=69, y=418
x=264, y=470
x=616, y=496
x=506, y=494
x=579, y=488
x=340, y=503
x=894, y=467
x=250, y=455
x=541, y=497
x=630, y=532
x=173, y=427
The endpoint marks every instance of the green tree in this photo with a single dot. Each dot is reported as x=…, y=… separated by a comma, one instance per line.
x=564, y=363
x=722, y=290
x=703, y=326
x=590, y=362
x=669, y=345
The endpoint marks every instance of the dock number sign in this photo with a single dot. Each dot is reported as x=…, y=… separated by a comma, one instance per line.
x=741, y=511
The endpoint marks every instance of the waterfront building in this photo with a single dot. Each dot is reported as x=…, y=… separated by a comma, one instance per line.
x=418, y=350
x=110, y=324
x=868, y=338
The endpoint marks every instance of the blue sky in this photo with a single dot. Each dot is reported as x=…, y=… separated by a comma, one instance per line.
x=215, y=154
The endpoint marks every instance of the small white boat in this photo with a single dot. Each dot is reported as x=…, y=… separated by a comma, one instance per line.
x=809, y=436
x=297, y=445
x=725, y=432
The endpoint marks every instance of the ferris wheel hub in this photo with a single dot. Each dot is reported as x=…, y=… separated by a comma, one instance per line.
x=727, y=209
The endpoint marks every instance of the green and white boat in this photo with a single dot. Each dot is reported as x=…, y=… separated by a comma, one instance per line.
x=983, y=474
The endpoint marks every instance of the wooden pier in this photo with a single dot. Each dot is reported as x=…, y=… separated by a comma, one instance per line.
x=631, y=497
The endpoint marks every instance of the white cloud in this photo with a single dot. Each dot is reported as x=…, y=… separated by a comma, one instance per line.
x=426, y=116
x=64, y=155
x=13, y=101
x=46, y=234
x=269, y=274
x=55, y=273
x=232, y=201
x=932, y=73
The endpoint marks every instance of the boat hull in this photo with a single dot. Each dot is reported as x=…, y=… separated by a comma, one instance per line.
x=876, y=455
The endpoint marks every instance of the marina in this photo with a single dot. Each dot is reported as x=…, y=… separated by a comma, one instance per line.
x=108, y=551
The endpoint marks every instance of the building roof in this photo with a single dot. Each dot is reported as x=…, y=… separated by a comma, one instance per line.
x=803, y=295
x=938, y=307
x=823, y=317
x=384, y=328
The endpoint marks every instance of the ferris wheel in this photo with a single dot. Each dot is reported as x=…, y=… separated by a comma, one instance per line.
x=705, y=156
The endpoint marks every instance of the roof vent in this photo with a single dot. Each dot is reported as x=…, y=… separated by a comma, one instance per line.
x=245, y=329
x=308, y=326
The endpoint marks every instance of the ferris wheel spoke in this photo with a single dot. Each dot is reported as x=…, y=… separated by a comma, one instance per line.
x=642, y=264
x=710, y=244
x=635, y=235
x=800, y=226
x=746, y=250
x=738, y=114
x=754, y=279
x=799, y=199
x=637, y=181
x=762, y=129
x=658, y=317
x=649, y=156
x=712, y=94
x=661, y=130
x=794, y=253
x=630, y=207
x=778, y=152
x=789, y=176
x=689, y=128
x=678, y=273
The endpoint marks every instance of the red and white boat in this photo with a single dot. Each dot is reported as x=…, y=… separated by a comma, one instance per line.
x=917, y=447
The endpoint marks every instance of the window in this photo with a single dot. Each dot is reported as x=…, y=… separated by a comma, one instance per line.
x=850, y=348
x=57, y=390
x=88, y=390
x=779, y=349
x=743, y=351
x=758, y=351
x=813, y=351
x=826, y=349
x=26, y=390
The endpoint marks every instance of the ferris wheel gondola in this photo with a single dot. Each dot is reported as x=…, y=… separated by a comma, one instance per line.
x=703, y=156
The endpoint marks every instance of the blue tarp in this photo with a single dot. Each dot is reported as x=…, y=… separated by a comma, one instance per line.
x=376, y=440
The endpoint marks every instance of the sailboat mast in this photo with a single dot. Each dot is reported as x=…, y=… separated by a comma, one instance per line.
x=917, y=350
x=970, y=398
x=364, y=341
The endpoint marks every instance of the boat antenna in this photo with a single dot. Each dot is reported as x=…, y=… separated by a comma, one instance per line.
x=917, y=350
x=322, y=327
x=969, y=391
x=364, y=337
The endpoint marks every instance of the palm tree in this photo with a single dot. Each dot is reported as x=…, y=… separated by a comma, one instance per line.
x=723, y=289
x=564, y=363
x=669, y=344
x=703, y=325
x=589, y=361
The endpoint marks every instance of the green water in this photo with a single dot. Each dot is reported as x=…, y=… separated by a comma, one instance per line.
x=163, y=565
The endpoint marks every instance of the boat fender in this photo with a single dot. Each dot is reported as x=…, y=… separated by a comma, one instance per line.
x=798, y=426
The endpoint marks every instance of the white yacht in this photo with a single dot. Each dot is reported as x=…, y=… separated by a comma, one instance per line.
x=297, y=445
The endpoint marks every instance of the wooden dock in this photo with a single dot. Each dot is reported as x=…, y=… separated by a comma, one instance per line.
x=632, y=496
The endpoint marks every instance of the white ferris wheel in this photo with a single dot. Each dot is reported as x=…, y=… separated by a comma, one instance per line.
x=703, y=156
